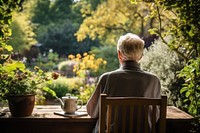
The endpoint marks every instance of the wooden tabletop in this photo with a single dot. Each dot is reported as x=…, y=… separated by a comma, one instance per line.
x=175, y=113
x=47, y=111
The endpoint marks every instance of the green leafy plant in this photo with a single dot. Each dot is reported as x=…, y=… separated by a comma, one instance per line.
x=17, y=80
x=191, y=88
x=86, y=92
x=64, y=85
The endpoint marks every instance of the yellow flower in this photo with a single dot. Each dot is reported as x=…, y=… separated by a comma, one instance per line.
x=78, y=56
x=71, y=56
x=85, y=54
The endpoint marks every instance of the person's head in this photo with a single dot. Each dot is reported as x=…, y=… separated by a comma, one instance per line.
x=130, y=47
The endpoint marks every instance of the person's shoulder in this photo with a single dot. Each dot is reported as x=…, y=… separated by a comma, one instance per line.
x=107, y=74
x=151, y=75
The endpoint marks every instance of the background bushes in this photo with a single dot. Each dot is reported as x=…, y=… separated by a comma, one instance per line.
x=65, y=85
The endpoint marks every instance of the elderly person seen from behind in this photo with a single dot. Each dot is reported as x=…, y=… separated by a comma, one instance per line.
x=129, y=80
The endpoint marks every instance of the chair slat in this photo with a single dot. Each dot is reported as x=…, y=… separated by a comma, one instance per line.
x=102, y=113
x=116, y=118
x=163, y=113
x=139, y=117
x=131, y=119
x=109, y=118
x=154, y=119
x=146, y=126
x=123, y=118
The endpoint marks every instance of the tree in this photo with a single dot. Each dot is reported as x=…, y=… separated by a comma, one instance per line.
x=6, y=10
x=56, y=30
x=113, y=18
x=51, y=11
x=22, y=29
x=183, y=26
x=60, y=38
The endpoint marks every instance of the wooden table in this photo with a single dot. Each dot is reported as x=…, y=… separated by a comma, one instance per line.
x=178, y=121
x=43, y=120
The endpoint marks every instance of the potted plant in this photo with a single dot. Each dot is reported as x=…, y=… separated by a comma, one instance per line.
x=18, y=85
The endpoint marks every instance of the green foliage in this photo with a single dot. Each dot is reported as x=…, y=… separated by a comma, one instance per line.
x=7, y=7
x=17, y=41
x=22, y=29
x=191, y=88
x=60, y=37
x=15, y=77
x=17, y=80
x=47, y=62
x=184, y=27
x=64, y=85
x=86, y=92
x=57, y=21
x=47, y=12
x=66, y=68
x=162, y=61
x=94, y=3
x=178, y=19
x=117, y=18
x=109, y=54
x=187, y=24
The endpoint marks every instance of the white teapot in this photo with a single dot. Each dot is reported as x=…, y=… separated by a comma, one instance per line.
x=69, y=104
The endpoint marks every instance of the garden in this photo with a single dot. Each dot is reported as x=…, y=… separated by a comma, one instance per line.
x=66, y=45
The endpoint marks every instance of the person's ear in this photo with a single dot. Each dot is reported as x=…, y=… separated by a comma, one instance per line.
x=119, y=56
x=141, y=56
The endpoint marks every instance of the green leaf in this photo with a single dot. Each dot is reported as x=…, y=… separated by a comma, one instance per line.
x=185, y=100
x=47, y=89
x=13, y=66
x=133, y=1
x=183, y=89
x=9, y=48
x=153, y=31
x=194, y=111
x=187, y=94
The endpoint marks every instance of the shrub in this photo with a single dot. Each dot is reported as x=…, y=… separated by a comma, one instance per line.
x=65, y=85
x=66, y=68
x=163, y=62
x=86, y=92
x=109, y=54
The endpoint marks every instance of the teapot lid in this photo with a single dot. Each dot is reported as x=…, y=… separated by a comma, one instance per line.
x=68, y=96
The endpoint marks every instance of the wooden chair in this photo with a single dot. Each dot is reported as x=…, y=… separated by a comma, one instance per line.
x=130, y=114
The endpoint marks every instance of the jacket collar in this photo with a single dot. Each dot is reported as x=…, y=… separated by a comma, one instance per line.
x=130, y=65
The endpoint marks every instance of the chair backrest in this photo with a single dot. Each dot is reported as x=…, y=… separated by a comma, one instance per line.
x=132, y=114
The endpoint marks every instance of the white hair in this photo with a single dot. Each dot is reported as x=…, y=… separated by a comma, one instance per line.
x=131, y=47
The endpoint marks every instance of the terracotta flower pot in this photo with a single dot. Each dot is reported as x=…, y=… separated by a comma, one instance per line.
x=21, y=105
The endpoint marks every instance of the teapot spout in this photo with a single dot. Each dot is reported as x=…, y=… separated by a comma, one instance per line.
x=62, y=104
